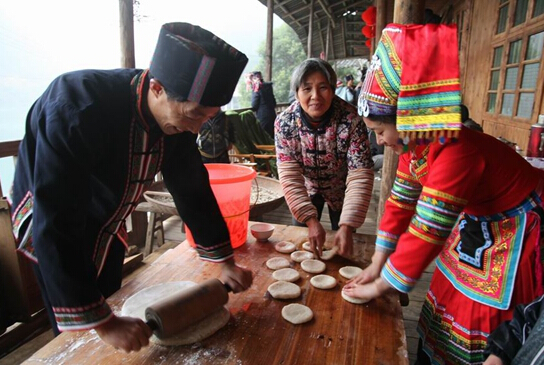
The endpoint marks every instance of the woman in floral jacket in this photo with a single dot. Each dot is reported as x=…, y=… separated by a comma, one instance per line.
x=323, y=157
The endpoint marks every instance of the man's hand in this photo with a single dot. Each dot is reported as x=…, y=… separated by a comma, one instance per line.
x=125, y=333
x=238, y=278
x=344, y=240
x=316, y=236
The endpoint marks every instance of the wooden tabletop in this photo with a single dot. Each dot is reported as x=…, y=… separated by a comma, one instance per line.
x=339, y=333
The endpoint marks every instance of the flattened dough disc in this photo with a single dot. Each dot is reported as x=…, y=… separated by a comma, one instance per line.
x=349, y=272
x=284, y=290
x=285, y=247
x=297, y=313
x=135, y=306
x=313, y=266
x=323, y=281
x=347, y=298
x=299, y=256
x=286, y=274
x=276, y=263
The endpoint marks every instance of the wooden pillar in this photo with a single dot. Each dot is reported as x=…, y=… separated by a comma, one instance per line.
x=381, y=21
x=269, y=36
x=310, y=28
x=328, y=41
x=406, y=12
x=126, y=27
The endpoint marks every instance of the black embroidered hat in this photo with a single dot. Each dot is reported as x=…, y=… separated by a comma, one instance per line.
x=196, y=65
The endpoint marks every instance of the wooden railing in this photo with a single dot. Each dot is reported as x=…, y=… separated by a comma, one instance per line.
x=8, y=149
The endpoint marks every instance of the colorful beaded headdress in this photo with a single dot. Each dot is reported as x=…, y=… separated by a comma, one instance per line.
x=414, y=75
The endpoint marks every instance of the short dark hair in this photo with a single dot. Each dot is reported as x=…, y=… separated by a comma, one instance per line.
x=309, y=66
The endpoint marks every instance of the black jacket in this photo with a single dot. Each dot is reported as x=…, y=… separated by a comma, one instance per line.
x=521, y=340
x=263, y=103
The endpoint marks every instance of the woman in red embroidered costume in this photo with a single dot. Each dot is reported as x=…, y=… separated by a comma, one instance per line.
x=459, y=196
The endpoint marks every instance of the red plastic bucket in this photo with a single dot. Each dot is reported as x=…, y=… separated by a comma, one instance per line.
x=231, y=185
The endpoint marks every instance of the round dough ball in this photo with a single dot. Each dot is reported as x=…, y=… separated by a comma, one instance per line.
x=287, y=274
x=284, y=290
x=276, y=263
x=313, y=266
x=347, y=298
x=297, y=313
x=306, y=245
x=323, y=281
x=285, y=247
x=349, y=272
x=299, y=256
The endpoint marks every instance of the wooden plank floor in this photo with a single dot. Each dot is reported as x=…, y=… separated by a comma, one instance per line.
x=173, y=236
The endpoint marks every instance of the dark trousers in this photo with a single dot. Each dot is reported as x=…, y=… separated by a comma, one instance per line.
x=422, y=357
x=108, y=282
x=319, y=202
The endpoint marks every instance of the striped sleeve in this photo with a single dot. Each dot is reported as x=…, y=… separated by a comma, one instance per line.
x=359, y=184
x=296, y=195
x=399, y=208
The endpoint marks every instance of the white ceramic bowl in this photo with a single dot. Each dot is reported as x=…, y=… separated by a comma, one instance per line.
x=262, y=231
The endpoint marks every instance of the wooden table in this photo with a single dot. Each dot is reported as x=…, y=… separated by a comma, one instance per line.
x=340, y=333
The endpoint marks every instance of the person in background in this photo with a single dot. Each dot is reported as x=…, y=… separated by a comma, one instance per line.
x=263, y=102
x=347, y=92
x=323, y=157
x=467, y=121
x=460, y=197
x=519, y=341
x=215, y=139
x=94, y=141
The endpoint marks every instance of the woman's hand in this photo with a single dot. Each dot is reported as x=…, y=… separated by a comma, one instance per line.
x=372, y=272
x=493, y=360
x=125, y=333
x=316, y=236
x=237, y=277
x=368, y=291
x=343, y=239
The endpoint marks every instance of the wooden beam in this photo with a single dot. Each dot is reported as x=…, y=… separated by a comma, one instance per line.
x=126, y=27
x=310, y=29
x=321, y=39
x=269, y=37
x=328, y=12
x=331, y=37
x=9, y=148
x=327, y=42
x=343, y=25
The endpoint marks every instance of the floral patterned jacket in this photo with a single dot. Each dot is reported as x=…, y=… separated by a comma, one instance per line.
x=328, y=159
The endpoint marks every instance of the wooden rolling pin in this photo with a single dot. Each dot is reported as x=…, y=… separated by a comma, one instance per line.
x=174, y=313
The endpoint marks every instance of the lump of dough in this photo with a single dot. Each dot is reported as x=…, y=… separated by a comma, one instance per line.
x=285, y=247
x=323, y=281
x=329, y=254
x=349, y=272
x=297, y=313
x=284, y=290
x=306, y=245
x=287, y=274
x=313, y=266
x=353, y=300
x=299, y=256
x=276, y=263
